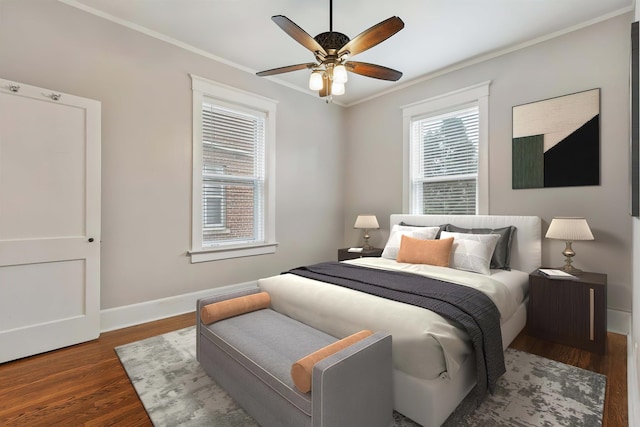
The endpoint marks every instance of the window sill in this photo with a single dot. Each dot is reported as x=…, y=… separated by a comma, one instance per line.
x=204, y=255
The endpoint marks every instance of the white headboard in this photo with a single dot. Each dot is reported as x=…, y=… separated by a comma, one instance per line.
x=526, y=246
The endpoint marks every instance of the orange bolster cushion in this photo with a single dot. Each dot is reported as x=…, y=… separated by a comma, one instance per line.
x=233, y=307
x=431, y=252
x=302, y=369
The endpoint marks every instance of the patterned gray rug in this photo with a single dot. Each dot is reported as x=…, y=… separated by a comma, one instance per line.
x=535, y=391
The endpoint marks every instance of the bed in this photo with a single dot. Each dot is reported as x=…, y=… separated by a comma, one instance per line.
x=434, y=362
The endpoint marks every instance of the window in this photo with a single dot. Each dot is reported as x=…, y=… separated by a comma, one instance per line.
x=445, y=154
x=233, y=191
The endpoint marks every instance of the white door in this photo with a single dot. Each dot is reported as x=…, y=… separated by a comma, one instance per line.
x=49, y=220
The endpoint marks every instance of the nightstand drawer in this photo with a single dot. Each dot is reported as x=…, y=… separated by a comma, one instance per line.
x=569, y=311
x=344, y=254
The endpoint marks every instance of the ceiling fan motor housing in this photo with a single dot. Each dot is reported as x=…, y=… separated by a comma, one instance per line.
x=332, y=40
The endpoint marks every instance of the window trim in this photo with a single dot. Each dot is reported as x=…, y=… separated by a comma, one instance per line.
x=202, y=88
x=478, y=94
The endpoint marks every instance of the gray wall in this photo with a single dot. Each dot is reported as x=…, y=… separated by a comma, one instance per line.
x=145, y=90
x=593, y=57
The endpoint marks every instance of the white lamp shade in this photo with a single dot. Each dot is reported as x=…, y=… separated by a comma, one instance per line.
x=337, y=88
x=315, y=80
x=366, y=221
x=569, y=229
x=340, y=74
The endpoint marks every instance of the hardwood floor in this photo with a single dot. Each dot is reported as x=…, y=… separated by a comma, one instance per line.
x=86, y=385
x=80, y=385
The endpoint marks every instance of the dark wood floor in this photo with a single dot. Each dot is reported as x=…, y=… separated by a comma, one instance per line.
x=86, y=385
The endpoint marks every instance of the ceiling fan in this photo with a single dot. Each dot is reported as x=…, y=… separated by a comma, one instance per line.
x=332, y=51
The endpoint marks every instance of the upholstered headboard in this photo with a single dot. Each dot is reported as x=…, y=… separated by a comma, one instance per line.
x=526, y=247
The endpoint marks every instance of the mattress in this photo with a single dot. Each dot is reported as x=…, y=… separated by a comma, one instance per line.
x=425, y=345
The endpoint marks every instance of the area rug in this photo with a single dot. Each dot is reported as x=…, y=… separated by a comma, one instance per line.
x=535, y=391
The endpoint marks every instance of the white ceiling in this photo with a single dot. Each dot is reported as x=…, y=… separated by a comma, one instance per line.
x=437, y=35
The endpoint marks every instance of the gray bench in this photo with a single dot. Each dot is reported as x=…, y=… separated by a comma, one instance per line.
x=250, y=356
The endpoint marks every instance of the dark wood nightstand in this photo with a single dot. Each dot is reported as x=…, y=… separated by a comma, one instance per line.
x=569, y=311
x=344, y=254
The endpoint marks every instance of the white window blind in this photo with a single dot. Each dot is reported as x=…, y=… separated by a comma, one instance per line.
x=233, y=175
x=444, y=162
x=214, y=203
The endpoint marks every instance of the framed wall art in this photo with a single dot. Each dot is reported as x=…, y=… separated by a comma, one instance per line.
x=556, y=142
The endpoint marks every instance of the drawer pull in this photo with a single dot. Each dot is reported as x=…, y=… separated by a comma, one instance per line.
x=591, y=308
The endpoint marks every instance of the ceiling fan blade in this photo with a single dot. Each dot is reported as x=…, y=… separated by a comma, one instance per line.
x=286, y=69
x=297, y=33
x=373, y=70
x=373, y=36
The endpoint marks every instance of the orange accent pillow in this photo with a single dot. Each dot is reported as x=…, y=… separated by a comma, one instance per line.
x=432, y=252
x=301, y=371
x=233, y=307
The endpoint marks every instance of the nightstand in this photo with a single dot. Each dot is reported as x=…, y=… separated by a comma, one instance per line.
x=569, y=311
x=344, y=254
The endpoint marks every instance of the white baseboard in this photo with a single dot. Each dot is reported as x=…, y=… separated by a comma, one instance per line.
x=148, y=311
x=618, y=321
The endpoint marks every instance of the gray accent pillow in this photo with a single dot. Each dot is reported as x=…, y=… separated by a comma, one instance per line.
x=502, y=254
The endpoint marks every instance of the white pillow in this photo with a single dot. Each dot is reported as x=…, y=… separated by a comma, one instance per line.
x=397, y=231
x=472, y=252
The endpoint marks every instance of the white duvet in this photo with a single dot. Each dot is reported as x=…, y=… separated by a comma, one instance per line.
x=425, y=345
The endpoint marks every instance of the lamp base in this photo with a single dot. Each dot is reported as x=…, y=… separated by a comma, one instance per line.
x=366, y=245
x=569, y=254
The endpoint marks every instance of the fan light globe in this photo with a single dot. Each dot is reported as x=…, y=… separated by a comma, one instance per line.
x=340, y=74
x=315, y=81
x=337, y=88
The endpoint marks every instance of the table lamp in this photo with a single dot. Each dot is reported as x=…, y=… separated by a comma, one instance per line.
x=569, y=229
x=367, y=222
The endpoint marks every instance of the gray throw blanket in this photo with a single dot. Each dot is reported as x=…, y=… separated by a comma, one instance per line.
x=472, y=309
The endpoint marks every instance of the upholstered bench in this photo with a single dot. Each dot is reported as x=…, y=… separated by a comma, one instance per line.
x=251, y=356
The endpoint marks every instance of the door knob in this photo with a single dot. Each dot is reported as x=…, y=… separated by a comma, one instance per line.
x=90, y=239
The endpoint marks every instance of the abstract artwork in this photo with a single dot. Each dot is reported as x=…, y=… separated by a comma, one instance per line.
x=556, y=142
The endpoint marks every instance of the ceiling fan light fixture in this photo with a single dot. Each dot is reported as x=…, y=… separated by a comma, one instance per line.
x=337, y=88
x=315, y=80
x=340, y=74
